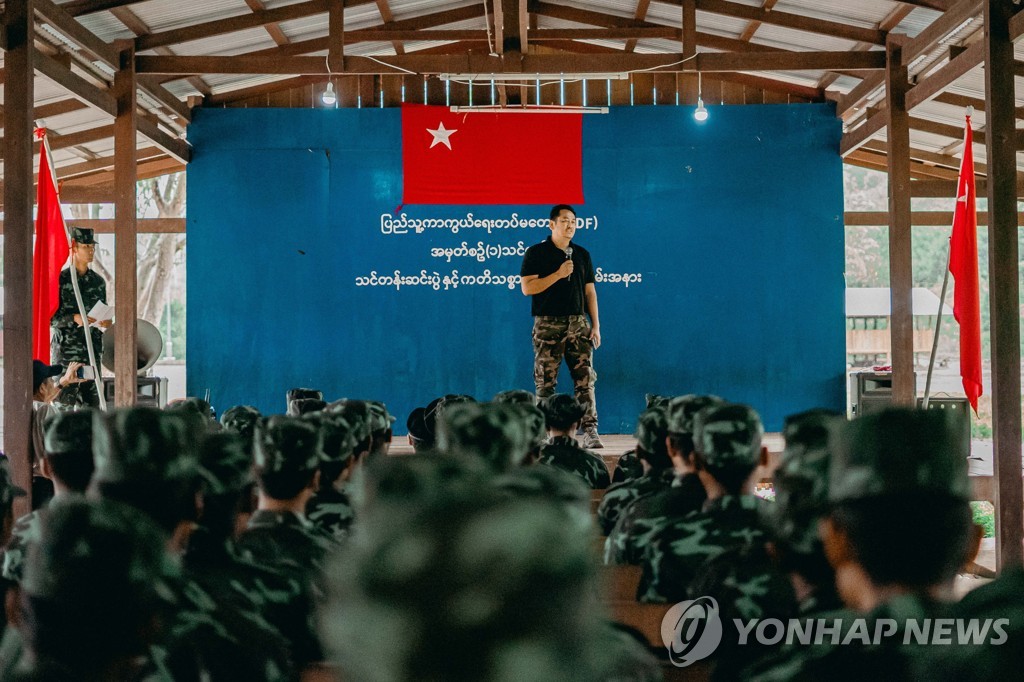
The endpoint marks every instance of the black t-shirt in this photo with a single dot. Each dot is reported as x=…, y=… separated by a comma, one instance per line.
x=564, y=297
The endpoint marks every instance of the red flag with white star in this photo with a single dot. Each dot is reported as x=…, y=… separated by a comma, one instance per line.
x=51, y=252
x=963, y=265
x=491, y=157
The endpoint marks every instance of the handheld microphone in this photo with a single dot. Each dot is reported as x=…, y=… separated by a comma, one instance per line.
x=568, y=256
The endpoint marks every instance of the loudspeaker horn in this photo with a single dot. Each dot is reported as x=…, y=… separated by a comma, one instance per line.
x=150, y=345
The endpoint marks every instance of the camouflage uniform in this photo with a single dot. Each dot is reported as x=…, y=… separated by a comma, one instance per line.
x=146, y=457
x=67, y=342
x=330, y=509
x=469, y=585
x=724, y=436
x=894, y=453
x=651, y=429
x=287, y=541
x=627, y=467
x=24, y=534
x=214, y=562
x=563, y=452
x=568, y=337
x=496, y=433
x=640, y=519
x=801, y=498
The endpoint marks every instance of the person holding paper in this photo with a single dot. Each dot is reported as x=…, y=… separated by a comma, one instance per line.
x=68, y=339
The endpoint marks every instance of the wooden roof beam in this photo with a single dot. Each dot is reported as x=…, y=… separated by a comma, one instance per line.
x=639, y=15
x=104, y=101
x=77, y=8
x=63, y=22
x=273, y=29
x=254, y=19
x=706, y=62
x=921, y=43
x=788, y=20
x=132, y=22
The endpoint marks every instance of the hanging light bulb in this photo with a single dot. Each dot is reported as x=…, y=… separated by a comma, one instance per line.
x=701, y=114
x=328, y=97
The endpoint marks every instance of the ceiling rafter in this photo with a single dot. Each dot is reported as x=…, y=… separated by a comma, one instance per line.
x=642, y=6
x=134, y=24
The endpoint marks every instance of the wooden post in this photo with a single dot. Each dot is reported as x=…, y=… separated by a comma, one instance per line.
x=901, y=280
x=1004, y=311
x=125, y=230
x=336, y=36
x=18, y=198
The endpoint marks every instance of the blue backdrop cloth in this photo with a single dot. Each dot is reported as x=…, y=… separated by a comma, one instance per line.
x=719, y=246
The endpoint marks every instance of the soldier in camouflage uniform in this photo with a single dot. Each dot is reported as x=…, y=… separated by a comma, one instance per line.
x=562, y=413
x=301, y=406
x=801, y=499
x=287, y=453
x=471, y=585
x=492, y=432
x=96, y=583
x=8, y=491
x=294, y=394
x=898, y=529
x=628, y=539
x=145, y=458
x=241, y=419
x=628, y=466
x=380, y=429
x=67, y=343
x=727, y=448
x=214, y=562
x=516, y=395
x=67, y=461
x=560, y=303
x=330, y=509
x=651, y=431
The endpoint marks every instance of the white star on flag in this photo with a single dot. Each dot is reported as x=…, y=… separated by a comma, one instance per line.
x=441, y=136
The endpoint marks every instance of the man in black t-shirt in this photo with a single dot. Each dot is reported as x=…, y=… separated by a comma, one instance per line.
x=559, y=275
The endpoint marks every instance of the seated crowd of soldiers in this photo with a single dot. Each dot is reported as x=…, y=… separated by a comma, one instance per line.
x=182, y=547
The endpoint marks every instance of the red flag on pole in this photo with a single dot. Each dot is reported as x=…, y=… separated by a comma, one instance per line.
x=491, y=158
x=963, y=265
x=51, y=252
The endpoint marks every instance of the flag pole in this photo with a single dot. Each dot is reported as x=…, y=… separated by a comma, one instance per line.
x=935, y=338
x=97, y=379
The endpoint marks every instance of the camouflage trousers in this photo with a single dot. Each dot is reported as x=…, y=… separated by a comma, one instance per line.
x=568, y=337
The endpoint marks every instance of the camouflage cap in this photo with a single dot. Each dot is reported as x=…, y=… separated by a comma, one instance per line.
x=433, y=413
x=728, y=434
x=296, y=393
x=494, y=432
x=241, y=419
x=8, y=491
x=533, y=422
x=801, y=480
x=194, y=406
x=142, y=444
x=287, y=444
x=69, y=432
x=651, y=428
x=97, y=555
x=338, y=438
x=655, y=400
x=561, y=410
x=226, y=465
x=380, y=418
x=680, y=411
x=83, y=235
x=500, y=587
x=517, y=395
x=301, y=406
x=899, y=451
x=357, y=414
